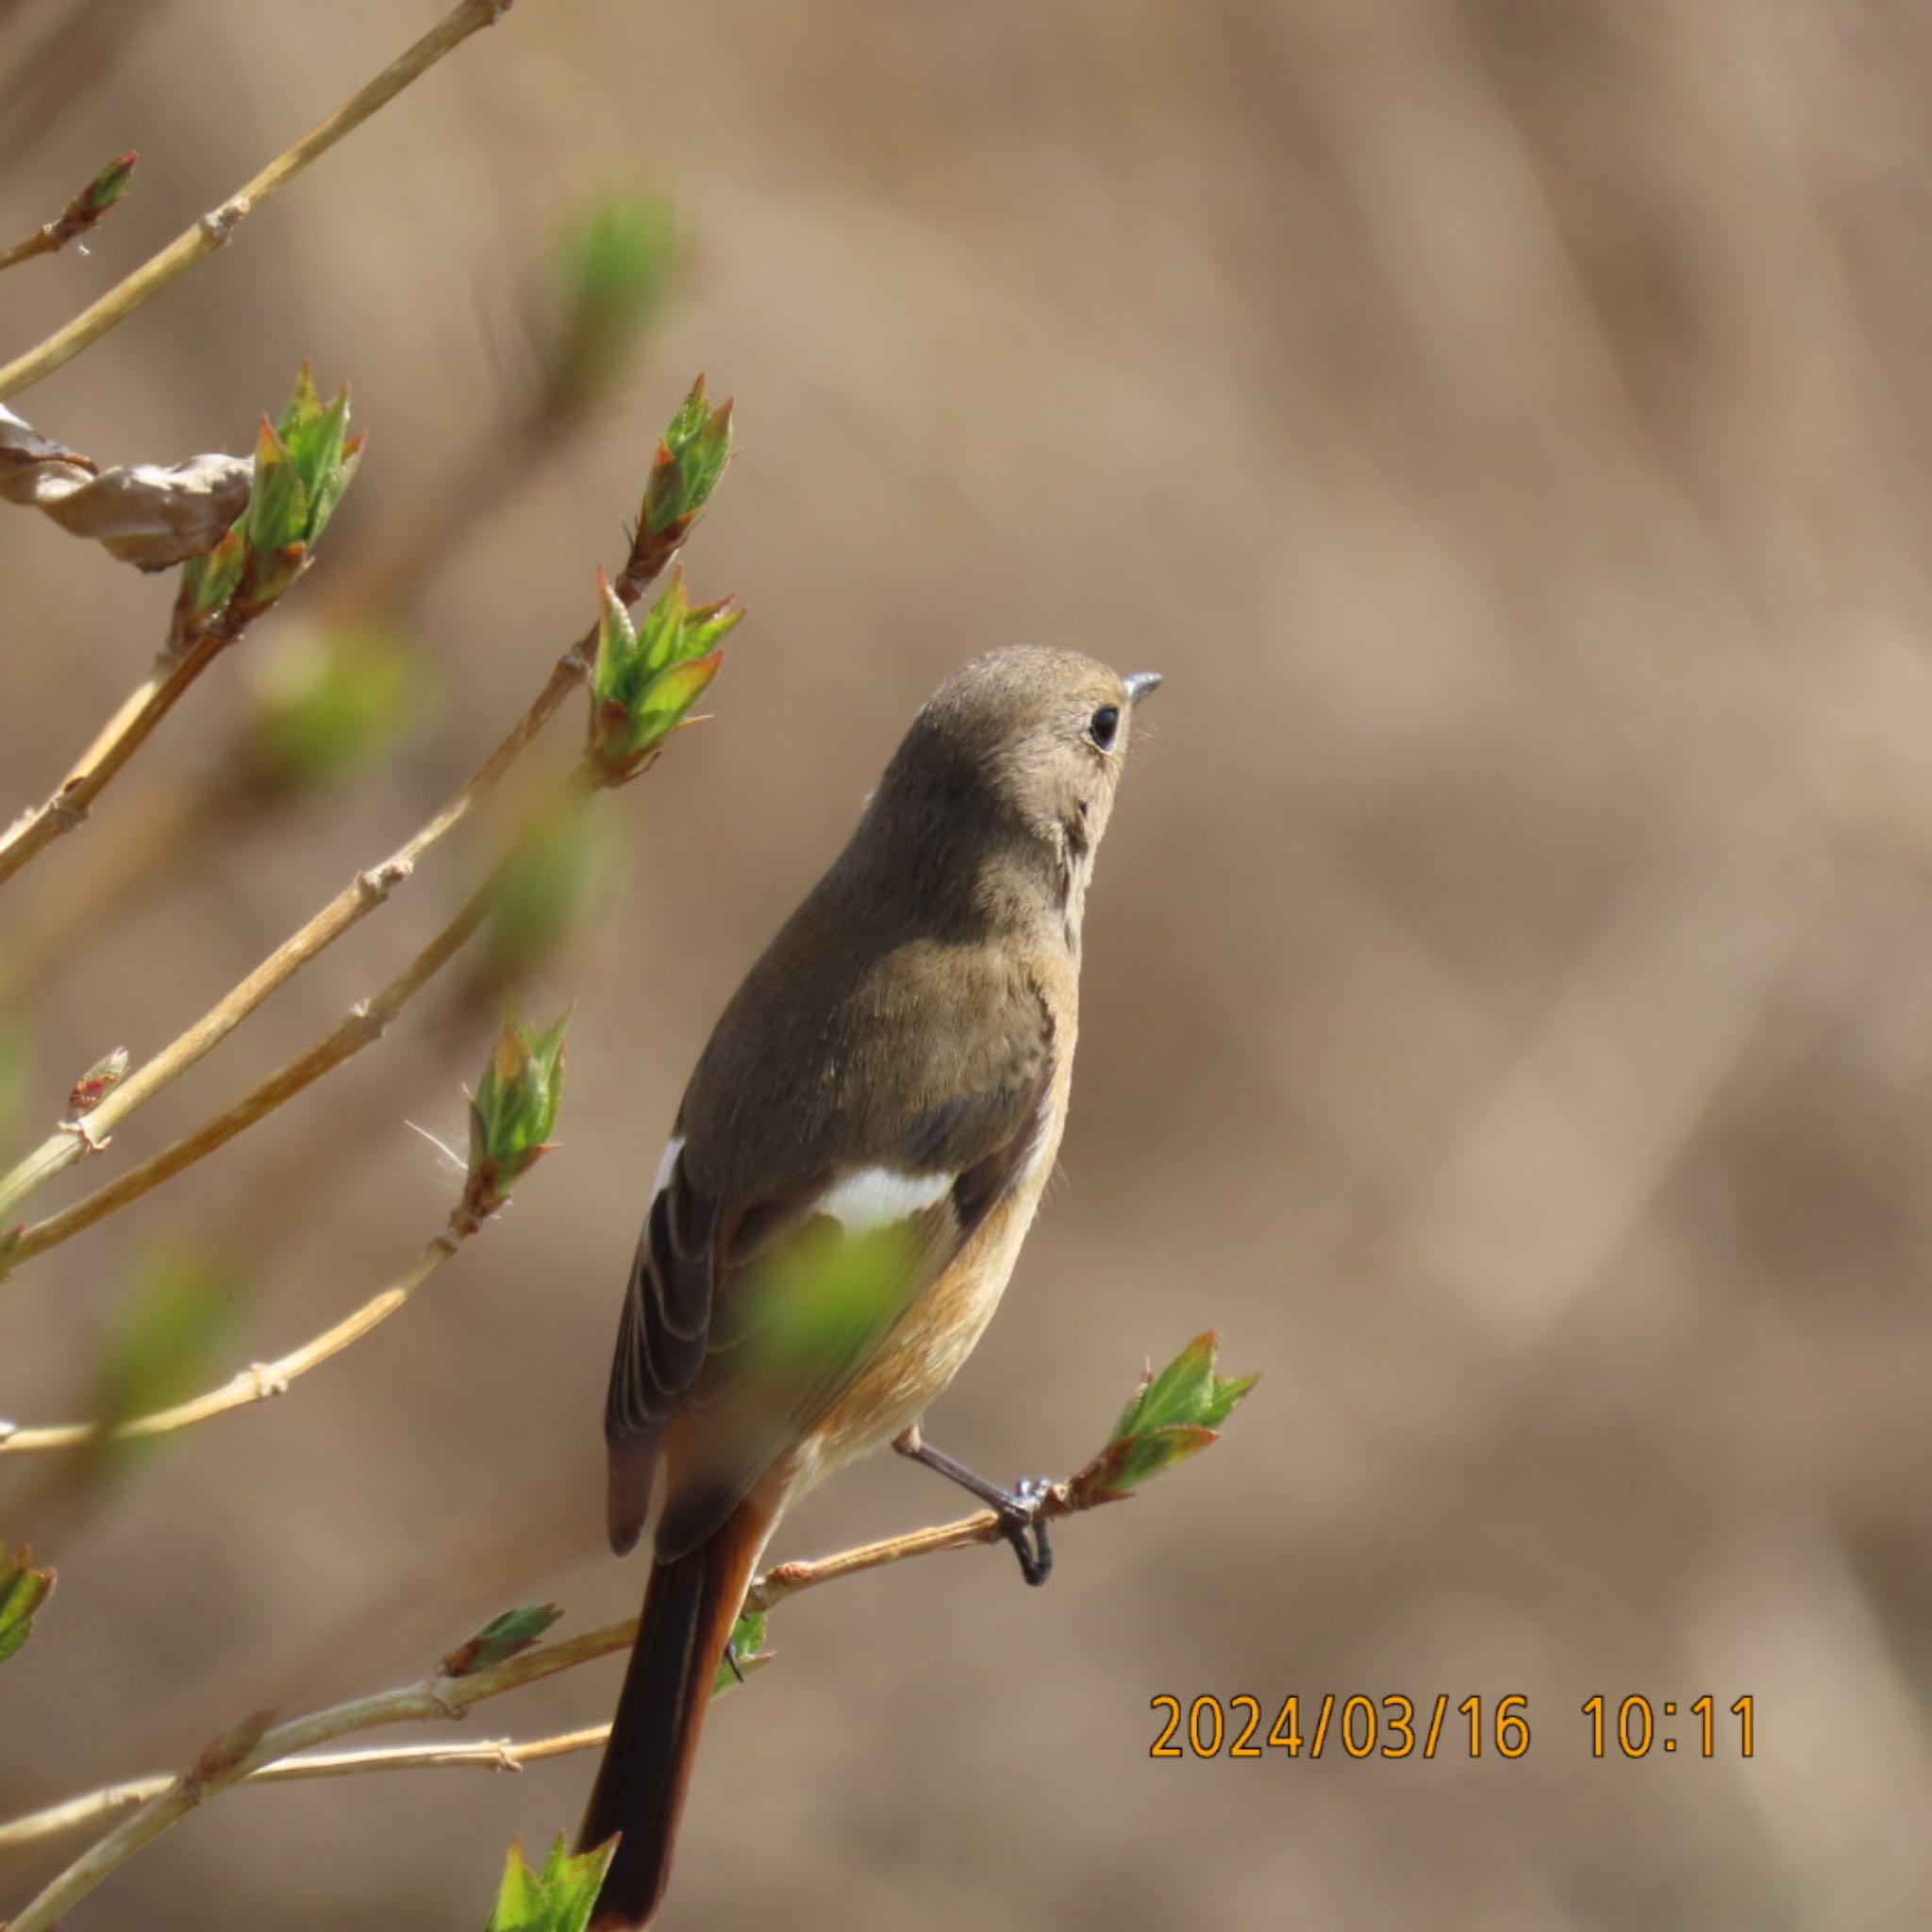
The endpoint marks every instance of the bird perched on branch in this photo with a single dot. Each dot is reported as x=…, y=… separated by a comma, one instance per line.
x=855, y=1164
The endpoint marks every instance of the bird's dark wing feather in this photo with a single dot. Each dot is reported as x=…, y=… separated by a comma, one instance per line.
x=664, y=1332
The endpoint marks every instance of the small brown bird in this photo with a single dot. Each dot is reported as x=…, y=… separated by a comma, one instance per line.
x=856, y=1162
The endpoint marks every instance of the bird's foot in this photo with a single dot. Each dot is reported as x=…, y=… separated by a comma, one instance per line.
x=1019, y=1508
x=1024, y=1528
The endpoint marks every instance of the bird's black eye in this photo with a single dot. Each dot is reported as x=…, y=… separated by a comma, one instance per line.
x=1103, y=724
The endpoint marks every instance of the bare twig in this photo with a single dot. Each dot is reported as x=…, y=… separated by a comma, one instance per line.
x=165, y=1802
x=80, y=214
x=355, y=902
x=215, y=228
x=1171, y=1416
x=134, y=854
x=229, y=1761
x=143, y=514
x=180, y=661
x=790, y=1579
x=362, y=1026
x=262, y=1380
x=490, y=1754
x=654, y=543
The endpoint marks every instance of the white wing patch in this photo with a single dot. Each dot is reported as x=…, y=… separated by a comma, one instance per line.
x=670, y=1161
x=879, y=1197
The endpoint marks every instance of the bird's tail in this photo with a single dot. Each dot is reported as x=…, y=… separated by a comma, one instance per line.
x=689, y=1608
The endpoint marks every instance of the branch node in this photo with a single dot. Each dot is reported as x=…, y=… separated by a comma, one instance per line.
x=269, y=1380
x=468, y=1216
x=219, y=223
x=378, y=881
x=92, y=1142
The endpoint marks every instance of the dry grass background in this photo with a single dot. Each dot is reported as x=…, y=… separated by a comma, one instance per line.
x=1508, y=1008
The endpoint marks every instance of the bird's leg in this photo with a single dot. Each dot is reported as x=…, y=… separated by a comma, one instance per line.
x=1021, y=1523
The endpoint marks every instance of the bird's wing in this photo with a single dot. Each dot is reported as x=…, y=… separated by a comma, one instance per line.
x=742, y=1326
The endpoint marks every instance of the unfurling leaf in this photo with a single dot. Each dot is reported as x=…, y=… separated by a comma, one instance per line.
x=558, y=1899
x=648, y=674
x=1171, y=1416
x=23, y=1591
x=502, y=1638
x=321, y=450
x=690, y=458
x=278, y=511
x=1125, y=1465
x=512, y=1112
x=209, y=581
x=1187, y=1391
x=302, y=466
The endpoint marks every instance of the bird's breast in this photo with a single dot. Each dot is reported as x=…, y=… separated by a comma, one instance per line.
x=931, y=1340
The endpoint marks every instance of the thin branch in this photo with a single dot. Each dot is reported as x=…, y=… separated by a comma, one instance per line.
x=491, y=1754
x=355, y=902
x=1171, y=1416
x=71, y=1813
x=790, y=1579
x=180, y=661
x=164, y=1804
x=600, y=768
x=216, y=227
x=263, y=1379
x=362, y=1026
x=135, y=853
x=652, y=551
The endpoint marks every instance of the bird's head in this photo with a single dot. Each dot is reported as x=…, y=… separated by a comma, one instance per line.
x=1018, y=753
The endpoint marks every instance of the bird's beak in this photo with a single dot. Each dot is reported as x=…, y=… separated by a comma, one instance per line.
x=1139, y=683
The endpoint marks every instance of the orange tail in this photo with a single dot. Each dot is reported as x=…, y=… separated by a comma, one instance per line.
x=689, y=1611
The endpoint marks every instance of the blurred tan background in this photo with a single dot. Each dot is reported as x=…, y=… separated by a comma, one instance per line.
x=1508, y=1007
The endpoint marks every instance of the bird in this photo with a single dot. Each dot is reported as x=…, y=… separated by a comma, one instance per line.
x=855, y=1164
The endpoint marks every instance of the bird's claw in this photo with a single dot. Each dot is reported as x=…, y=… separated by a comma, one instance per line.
x=1023, y=1525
